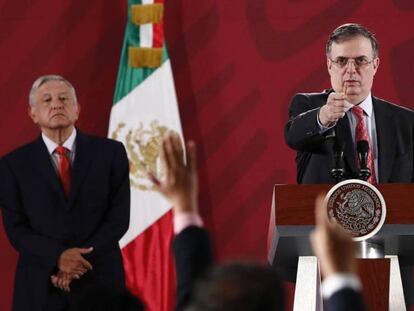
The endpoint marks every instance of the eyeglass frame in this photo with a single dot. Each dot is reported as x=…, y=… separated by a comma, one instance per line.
x=354, y=60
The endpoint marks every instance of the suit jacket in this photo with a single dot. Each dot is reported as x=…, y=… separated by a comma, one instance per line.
x=395, y=135
x=344, y=300
x=193, y=255
x=41, y=223
x=192, y=251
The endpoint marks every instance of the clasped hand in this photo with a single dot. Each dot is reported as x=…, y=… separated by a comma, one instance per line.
x=72, y=266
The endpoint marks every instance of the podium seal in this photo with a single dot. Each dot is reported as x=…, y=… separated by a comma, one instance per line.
x=358, y=207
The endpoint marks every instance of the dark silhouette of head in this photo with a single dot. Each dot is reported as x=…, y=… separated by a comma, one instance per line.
x=241, y=286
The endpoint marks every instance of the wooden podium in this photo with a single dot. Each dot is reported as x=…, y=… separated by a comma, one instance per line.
x=292, y=219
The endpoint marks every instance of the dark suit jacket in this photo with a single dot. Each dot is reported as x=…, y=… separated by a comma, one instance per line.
x=395, y=135
x=41, y=223
x=192, y=251
x=345, y=299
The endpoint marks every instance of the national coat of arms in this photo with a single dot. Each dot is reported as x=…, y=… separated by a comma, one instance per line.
x=143, y=148
x=358, y=207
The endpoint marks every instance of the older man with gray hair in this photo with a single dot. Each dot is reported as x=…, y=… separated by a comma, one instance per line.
x=65, y=199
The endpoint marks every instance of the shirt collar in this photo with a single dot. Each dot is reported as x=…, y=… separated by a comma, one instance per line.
x=366, y=105
x=68, y=144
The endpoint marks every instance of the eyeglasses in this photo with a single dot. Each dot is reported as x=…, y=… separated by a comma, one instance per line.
x=359, y=62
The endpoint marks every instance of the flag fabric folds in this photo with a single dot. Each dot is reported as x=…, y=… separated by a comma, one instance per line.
x=144, y=108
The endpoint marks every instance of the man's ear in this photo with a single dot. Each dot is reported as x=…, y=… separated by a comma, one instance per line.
x=376, y=64
x=32, y=114
x=329, y=65
x=78, y=110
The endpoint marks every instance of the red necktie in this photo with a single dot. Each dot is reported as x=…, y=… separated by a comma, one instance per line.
x=361, y=133
x=64, y=169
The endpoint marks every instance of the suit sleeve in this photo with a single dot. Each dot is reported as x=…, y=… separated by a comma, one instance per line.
x=344, y=300
x=302, y=132
x=41, y=249
x=192, y=251
x=116, y=219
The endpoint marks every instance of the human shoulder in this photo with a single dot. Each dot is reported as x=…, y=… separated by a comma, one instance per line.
x=100, y=146
x=393, y=109
x=98, y=140
x=312, y=98
x=305, y=102
x=23, y=152
x=20, y=158
x=324, y=93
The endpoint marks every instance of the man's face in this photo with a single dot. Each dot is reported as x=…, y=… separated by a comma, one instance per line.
x=55, y=106
x=356, y=80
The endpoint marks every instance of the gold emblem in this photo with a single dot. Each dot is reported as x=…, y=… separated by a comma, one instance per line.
x=143, y=146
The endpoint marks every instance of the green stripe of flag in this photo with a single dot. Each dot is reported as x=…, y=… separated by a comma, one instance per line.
x=128, y=78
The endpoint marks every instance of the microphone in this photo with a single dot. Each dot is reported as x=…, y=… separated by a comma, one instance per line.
x=338, y=170
x=362, y=149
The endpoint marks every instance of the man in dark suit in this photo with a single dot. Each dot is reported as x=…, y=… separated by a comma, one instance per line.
x=320, y=120
x=243, y=286
x=65, y=199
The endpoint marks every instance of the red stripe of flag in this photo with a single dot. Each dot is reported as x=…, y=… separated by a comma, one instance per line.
x=149, y=265
x=158, y=31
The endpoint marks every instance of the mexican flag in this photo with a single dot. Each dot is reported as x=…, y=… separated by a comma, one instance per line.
x=145, y=107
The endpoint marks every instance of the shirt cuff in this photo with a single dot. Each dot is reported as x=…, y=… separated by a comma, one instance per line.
x=184, y=220
x=322, y=128
x=339, y=281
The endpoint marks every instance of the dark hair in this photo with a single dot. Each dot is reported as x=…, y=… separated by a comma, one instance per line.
x=241, y=286
x=349, y=31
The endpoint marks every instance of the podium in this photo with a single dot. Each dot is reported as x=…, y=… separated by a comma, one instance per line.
x=292, y=219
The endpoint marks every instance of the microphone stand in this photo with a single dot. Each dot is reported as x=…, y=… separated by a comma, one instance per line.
x=362, y=149
x=338, y=171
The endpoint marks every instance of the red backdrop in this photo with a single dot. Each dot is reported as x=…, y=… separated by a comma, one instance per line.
x=236, y=65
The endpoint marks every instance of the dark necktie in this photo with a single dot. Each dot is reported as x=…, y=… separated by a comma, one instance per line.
x=361, y=133
x=64, y=168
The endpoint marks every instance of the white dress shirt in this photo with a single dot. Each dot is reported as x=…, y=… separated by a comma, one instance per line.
x=69, y=144
x=338, y=281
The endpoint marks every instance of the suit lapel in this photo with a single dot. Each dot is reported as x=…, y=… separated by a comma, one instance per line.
x=386, y=139
x=43, y=164
x=83, y=157
x=343, y=132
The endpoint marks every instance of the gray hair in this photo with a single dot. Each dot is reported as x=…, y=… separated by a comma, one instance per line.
x=349, y=31
x=43, y=79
